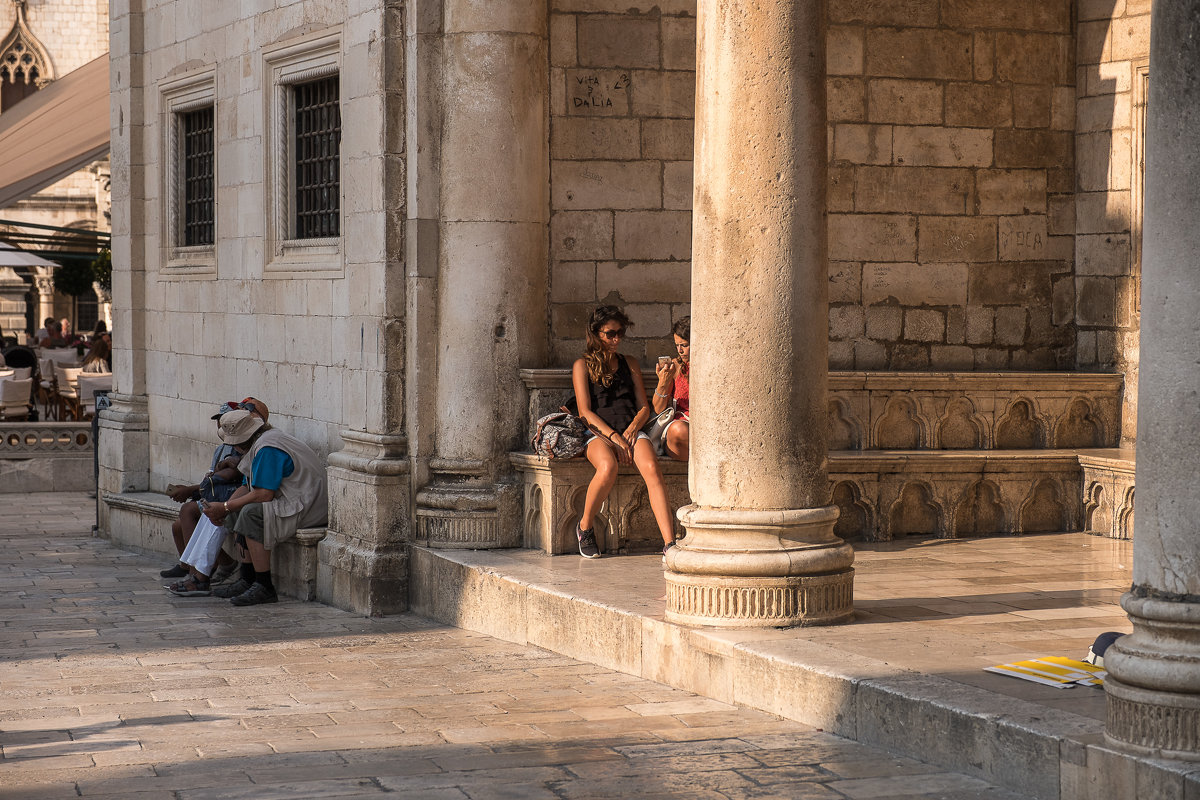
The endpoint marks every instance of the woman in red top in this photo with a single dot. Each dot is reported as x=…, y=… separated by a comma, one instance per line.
x=673, y=385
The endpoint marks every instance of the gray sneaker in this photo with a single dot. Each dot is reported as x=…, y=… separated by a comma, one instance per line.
x=232, y=589
x=256, y=594
x=222, y=574
x=587, y=543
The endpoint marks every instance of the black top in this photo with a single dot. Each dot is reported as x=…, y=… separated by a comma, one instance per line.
x=616, y=403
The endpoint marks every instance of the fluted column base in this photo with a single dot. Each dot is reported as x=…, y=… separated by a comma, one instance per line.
x=461, y=510
x=1153, y=685
x=760, y=569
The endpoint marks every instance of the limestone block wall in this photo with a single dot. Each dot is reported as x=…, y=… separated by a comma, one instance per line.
x=622, y=99
x=313, y=345
x=1113, y=76
x=951, y=178
x=951, y=197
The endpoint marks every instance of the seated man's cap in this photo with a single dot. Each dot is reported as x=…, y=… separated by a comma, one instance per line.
x=225, y=409
x=238, y=426
x=255, y=405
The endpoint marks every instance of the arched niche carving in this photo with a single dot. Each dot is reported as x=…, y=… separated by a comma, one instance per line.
x=1097, y=510
x=533, y=512
x=900, y=427
x=854, y=518
x=980, y=512
x=1079, y=427
x=959, y=427
x=844, y=431
x=1125, y=515
x=1020, y=428
x=1043, y=510
x=915, y=513
x=565, y=525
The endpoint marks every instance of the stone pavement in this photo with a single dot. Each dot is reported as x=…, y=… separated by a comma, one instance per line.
x=112, y=688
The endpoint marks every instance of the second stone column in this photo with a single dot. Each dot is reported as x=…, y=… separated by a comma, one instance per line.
x=760, y=549
x=491, y=273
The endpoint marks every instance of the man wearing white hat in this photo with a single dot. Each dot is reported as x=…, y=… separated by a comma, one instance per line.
x=284, y=491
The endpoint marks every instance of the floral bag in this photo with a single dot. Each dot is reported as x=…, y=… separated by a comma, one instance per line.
x=560, y=434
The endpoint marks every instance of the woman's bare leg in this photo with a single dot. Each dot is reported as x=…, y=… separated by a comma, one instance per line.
x=604, y=459
x=647, y=464
x=678, y=440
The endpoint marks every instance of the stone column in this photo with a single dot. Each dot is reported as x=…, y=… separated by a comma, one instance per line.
x=362, y=561
x=760, y=549
x=43, y=281
x=124, y=430
x=1154, y=674
x=491, y=267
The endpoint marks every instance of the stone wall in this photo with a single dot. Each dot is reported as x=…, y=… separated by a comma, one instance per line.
x=622, y=99
x=951, y=216
x=313, y=345
x=951, y=178
x=1113, y=57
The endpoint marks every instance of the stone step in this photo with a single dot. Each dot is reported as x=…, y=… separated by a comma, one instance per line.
x=940, y=410
x=896, y=681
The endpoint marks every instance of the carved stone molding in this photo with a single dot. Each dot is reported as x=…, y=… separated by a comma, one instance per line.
x=1136, y=719
x=782, y=602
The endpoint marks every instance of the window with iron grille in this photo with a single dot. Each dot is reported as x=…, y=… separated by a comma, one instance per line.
x=316, y=147
x=198, y=177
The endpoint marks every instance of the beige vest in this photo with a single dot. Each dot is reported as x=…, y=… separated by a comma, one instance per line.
x=301, y=500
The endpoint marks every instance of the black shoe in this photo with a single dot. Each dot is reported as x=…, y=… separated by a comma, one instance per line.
x=256, y=594
x=587, y=543
x=177, y=571
x=232, y=589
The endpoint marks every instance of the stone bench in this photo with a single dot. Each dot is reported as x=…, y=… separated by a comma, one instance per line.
x=1108, y=492
x=554, y=494
x=141, y=521
x=930, y=454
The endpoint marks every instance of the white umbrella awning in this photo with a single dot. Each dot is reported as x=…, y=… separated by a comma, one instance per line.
x=58, y=130
x=16, y=257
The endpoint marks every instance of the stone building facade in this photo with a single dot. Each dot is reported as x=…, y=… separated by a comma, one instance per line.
x=65, y=34
x=938, y=200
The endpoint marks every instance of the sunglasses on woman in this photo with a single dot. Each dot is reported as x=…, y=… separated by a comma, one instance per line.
x=617, y=334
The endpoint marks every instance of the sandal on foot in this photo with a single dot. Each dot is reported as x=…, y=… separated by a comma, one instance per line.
x=191, y=587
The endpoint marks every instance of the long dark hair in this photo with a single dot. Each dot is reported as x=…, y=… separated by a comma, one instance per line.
x=593, y=354
x=683, y=329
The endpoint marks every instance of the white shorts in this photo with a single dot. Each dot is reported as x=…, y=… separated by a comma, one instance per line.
x=641, y=435
x=669, y=424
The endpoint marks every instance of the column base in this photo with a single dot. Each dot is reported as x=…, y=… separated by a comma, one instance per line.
x=124, y=443
x=362, y=563
x=464, y=515
x=760, y=569
x=1153, y=685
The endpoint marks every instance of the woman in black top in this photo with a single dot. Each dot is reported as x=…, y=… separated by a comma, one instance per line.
x=612, y=400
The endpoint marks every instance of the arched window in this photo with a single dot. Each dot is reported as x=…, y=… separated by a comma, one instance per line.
x=24, y=63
